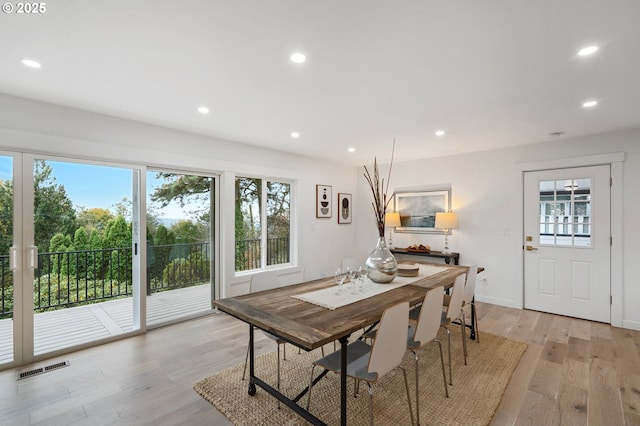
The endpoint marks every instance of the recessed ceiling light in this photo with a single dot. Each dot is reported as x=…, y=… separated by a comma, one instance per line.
x=590, y=104
x=295, y=134
x=352, y=149
x=439, y=132
x=298, y=58
x=203, y=110
x=589, y=50
x=31, y=63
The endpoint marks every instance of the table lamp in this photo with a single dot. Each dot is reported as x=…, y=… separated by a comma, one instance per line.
x=446, y=221
x=391, y=220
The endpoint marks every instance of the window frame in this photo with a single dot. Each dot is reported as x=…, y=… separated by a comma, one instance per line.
x=264, y=226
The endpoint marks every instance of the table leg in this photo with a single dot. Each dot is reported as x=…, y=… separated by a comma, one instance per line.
x=472, y=335
x=252, y=386
x=343, y=380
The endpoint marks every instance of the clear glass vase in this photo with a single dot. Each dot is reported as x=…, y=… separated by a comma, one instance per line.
x=382, y=266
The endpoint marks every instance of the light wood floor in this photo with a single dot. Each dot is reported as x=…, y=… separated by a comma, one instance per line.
x=574, y=373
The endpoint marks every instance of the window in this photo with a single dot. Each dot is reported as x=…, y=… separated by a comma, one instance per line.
x=565, y=212
x=263, y=225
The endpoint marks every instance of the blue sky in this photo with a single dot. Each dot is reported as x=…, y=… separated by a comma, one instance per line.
x=90, y=186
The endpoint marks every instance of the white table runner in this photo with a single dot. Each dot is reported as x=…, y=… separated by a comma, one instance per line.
x=327, y=297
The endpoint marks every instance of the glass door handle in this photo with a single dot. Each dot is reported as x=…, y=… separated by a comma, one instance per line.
x=33, y=257
x=14, y=259
x=531, y=248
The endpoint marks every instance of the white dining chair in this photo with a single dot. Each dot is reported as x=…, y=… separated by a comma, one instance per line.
x=469, y=299
x=452, y=312
x=468, y=302
x=424, y=332
x=369, y=363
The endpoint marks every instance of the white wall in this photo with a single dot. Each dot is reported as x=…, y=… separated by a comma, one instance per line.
x=37, y=127
x=485, y=190
x=486, y=194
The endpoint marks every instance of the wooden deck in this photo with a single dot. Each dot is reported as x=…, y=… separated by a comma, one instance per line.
x=74, y=326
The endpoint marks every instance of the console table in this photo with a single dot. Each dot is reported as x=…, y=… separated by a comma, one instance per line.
x=448, y=257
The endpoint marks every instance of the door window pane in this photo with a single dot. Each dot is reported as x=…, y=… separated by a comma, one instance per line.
x=83, y=285
x=565, y=212
x=6, y=275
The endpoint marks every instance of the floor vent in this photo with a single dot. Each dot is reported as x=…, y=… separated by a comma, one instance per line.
x=41, y=370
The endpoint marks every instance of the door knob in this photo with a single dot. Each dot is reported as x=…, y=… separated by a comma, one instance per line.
x=531, y=248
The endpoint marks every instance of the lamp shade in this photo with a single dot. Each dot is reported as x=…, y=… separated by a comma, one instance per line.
x=448, y=220
x=392, y=219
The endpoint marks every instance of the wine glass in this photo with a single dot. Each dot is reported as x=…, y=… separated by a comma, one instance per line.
x=351, y=275
x=339, y=276
x=362, y=275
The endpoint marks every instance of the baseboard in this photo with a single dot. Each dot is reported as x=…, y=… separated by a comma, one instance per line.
x=500, y=302
x=632, y=325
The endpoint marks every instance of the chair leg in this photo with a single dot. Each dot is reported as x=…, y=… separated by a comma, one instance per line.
x=449, y=348
x=464, y=338
x=406, y=386
x=415, y=357
x=310, y=386
x=284, y=351
x=475, y=327
x=444, y=374
x=370, y=403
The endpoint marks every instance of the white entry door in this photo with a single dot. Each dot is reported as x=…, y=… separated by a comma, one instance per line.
x=567, y=257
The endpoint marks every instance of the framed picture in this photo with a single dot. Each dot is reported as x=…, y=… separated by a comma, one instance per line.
x=344, y=207
x=323, y=201
x=418, y=210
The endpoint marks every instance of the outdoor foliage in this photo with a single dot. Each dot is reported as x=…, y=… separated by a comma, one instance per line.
x=192, y=270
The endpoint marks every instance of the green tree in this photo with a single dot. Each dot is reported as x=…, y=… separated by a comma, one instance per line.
x=118, y=236
x=81, y=260
x=59, y=244
x=188, y=190
x=278, y=208
x=248, y=196
x=53, y=210
x=97, y=262
x=6, y=215
x=192, y=270
x=160, y=255
x=186, y=231
x=94, y=218
x=123, y=208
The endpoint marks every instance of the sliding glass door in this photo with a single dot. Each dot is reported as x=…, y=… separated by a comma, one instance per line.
x=70, y=254
x=86, y=238
x=10, y=282
x=79, y=261
x=181, y=212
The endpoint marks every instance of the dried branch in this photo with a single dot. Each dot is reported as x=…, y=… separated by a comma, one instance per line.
x=379, y=191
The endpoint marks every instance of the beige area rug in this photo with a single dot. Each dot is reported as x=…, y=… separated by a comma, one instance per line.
x=476, y=392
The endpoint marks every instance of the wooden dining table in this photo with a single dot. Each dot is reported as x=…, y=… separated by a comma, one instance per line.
x=309, y=326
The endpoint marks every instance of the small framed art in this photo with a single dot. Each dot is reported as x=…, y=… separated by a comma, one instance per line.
x=323, y=201
x=344, y=207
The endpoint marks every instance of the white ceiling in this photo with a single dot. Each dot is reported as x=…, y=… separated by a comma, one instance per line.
x=492, y=73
